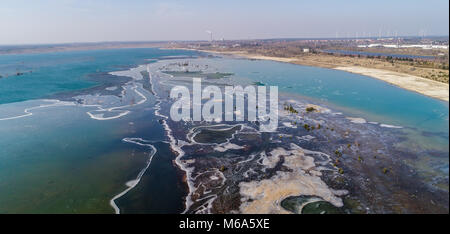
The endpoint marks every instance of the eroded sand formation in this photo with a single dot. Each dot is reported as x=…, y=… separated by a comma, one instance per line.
x=265, y=196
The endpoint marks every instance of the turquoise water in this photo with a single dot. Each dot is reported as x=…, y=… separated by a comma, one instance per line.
x=65, y=71
x=60, y=160
x=355, y=94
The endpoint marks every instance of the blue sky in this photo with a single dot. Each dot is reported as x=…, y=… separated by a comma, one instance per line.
x=57, y=21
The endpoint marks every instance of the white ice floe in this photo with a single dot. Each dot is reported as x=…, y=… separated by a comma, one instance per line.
x=131, y=184
x=305, y=138
x=265, y=196
x=357, y=120
x=28, y=111
x=227, y=146
x=101, y=110
x=289, y=125
x=134, y=73
x=389, y=126
x=111, y=88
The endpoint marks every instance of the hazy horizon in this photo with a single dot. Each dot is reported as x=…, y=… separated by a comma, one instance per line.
x=70, y=21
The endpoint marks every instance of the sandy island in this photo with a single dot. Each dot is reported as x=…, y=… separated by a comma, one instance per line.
x=417, y=84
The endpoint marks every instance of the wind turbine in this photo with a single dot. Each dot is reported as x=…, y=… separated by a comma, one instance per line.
x=210, y=35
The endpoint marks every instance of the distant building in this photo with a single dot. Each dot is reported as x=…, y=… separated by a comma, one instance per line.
x=305, y=50
x=425, y=47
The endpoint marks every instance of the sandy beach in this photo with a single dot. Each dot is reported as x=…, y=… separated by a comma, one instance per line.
x=421, y=85
x=417, y=84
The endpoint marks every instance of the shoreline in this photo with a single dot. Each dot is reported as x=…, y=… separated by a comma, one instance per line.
x=335, y=125
x=174, y=145
x=427, y=87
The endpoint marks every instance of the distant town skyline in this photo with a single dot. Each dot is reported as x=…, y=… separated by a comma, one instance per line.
x=65, y=21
